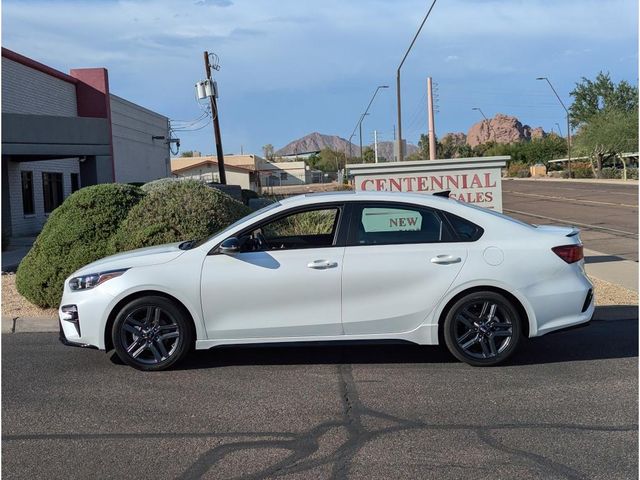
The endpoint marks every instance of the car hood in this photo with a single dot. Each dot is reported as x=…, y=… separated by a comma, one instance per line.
x=134, y=258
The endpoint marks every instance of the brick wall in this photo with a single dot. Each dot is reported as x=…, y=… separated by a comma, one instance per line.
x=24, y=225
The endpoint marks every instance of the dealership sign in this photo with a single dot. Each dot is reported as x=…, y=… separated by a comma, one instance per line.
x=471, y=180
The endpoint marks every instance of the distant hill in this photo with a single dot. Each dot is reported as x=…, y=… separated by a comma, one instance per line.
x=385, y=150
x=317, y=141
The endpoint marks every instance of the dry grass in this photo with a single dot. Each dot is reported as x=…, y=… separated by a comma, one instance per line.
x=14, y=305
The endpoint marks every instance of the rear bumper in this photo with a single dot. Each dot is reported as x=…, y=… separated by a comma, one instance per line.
x=565, y=302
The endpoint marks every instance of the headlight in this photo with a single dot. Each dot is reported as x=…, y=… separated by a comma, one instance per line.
x=85, y=282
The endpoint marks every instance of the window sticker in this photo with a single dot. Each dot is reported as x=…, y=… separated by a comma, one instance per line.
x=390, y=220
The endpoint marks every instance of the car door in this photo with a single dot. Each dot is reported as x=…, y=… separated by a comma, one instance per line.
x=284, y=282
x=399, y=262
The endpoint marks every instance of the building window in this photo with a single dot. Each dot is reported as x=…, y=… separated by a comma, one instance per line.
x=75, y=184
x=284, y=176
x=27, y=193
x=52, y=191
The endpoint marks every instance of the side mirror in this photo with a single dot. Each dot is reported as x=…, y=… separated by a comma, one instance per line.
x=230, y=246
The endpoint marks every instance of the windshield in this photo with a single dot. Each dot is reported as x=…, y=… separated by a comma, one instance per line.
x=271, y=206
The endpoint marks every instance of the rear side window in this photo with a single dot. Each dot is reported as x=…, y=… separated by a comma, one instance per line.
x=464, y=229
x=390, y=225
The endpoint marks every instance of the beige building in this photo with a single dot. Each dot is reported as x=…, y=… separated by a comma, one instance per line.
x=249, y=171
x=206, y=170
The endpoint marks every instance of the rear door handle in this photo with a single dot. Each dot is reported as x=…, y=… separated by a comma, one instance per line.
x=322, y=264
x=445, y=259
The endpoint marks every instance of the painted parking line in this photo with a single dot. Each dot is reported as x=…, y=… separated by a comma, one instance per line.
x=578, y=200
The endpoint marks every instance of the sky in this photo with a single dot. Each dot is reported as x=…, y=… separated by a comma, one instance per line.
x=292, y=67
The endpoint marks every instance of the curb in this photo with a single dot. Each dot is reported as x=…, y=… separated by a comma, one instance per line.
x=29, y=324
x=575, y=180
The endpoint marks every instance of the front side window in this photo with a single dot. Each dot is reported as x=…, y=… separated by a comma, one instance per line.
x=390, y=225
x=52, y=191
x=305, y=229
x=27, y=193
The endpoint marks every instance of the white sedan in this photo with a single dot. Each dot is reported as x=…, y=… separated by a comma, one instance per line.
x=334, y=267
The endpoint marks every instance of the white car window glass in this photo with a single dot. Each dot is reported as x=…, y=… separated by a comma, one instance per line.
x=388, y=225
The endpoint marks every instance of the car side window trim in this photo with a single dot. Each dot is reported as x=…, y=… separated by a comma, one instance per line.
x=359, y=206
x=339, y=224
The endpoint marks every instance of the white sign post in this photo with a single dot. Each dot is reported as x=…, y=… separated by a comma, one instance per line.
x=471, y=180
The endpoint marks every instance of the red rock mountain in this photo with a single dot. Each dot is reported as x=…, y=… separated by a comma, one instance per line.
x=502, y=129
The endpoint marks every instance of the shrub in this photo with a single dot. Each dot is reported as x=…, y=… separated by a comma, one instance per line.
x=175, y=211
x=517, y=169
x=632, y=173
x=77, y=233
x=248, y=195
x=611, y=172
x=581, y=170
x=161, y=183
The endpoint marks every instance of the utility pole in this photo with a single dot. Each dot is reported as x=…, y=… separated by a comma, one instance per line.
x=432, y=133
x=216, y=123
x=568, y=122
x=375, y=145
x=399, y=140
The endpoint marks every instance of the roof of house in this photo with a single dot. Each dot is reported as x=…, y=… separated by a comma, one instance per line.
x=202, y=163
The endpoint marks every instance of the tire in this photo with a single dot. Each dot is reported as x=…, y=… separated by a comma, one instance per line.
x=152, y=333
x=482, y=329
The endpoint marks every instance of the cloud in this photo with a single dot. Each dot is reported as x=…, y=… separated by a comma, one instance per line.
x=215, y=3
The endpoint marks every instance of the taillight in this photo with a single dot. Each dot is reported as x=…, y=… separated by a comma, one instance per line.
x=569, y=253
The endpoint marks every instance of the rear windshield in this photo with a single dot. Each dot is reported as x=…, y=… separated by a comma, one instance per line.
x=497, y=214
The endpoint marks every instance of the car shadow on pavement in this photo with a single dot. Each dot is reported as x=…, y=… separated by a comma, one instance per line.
x=612, y=334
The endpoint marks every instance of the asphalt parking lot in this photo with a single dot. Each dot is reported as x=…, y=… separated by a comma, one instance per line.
x=565, y=407
x=606, y=214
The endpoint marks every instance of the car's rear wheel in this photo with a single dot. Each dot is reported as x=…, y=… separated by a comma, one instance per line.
x=482, y=328
x=151, y=333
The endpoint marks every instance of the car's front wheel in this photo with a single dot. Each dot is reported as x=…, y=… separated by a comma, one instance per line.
x=482, y=328
x=151, y=333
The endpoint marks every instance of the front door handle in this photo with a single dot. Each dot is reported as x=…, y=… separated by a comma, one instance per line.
x=445, y=259
x=322, y=264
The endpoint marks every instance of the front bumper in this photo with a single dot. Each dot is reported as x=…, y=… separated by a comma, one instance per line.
x=63, y=339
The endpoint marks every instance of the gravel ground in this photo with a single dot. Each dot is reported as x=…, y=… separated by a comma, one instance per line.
x=14, y=305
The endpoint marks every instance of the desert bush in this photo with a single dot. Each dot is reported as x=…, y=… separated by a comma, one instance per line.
x=611, y=172
x=76, y=233
x=632, y=173
x=518, y=169
x=174, y=211
x=581, y=170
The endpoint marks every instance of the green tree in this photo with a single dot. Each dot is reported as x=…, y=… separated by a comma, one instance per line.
x=594, y=97
x=368, y=155
x=187, y=153
x=329, y=160
x=607, y=134
x=268, y=151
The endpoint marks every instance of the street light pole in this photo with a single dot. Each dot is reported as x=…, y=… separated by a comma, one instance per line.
x=488, y=122
x=366, y=112
x=568, y=122
x=400, y=152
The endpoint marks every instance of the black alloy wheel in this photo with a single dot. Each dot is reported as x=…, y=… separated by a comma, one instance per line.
x=152, y=333
x=482, y=329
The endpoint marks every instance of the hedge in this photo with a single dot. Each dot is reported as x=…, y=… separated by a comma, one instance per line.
x=173, y=211
x=76, y=233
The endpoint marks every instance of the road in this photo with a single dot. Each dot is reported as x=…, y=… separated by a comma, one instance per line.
x=565, y=407
x=606, y=214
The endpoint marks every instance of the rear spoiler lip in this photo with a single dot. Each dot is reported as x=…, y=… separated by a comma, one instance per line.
x=575, y=231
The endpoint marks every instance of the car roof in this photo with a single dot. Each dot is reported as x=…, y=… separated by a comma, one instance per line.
x=353, y=196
